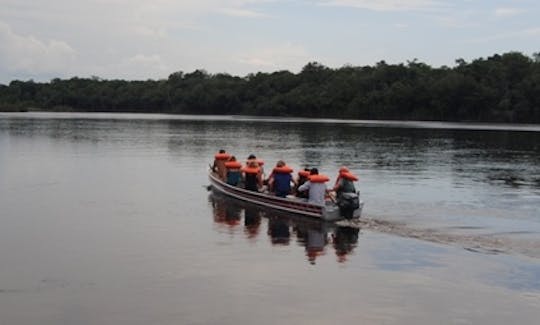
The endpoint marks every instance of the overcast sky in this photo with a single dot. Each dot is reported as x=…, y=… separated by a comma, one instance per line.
x=150, y=39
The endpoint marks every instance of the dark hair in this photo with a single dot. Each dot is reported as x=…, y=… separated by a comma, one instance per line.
x=314, y=171
x=221, y=151
x=252, y=156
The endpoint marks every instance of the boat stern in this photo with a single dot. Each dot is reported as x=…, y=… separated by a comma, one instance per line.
x=332, y=212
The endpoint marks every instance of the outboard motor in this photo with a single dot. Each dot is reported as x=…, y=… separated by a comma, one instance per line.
x=347, y=203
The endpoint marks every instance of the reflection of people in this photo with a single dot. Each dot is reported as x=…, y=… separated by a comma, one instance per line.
x=225, y=212
x=315, y=242
x=219, y=163
x=300, y=231
x=278, y=229
x=219, y=209
x=316, y=187
x=313, y=237
x=252, y=221
x=232, y=216
x=344, y=241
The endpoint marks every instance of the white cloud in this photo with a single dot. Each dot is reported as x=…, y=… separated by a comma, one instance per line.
x=529, y=33
x=401, y=26
x=387, y=5
x=32, y=55
x=279, y=57
x=238, y=12
x=145, y=60
x=507, y=12
x=459, y=19
x=152, y=38
x=532, y=32
x=141, y=66
x=155, y=32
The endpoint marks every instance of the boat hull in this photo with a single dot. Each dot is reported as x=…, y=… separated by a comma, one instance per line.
x=328, y=212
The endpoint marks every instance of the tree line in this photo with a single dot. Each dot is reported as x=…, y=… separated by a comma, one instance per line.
x=500, y=88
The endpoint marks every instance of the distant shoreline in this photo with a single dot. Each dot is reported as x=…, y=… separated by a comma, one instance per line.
x=412, y=124
x=498, y=89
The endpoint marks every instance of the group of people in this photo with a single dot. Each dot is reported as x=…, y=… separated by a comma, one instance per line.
x=308, y=184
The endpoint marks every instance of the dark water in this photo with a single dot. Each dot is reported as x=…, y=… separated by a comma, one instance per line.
x=105, y=219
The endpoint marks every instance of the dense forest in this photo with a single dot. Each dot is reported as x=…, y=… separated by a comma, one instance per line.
x=500, y=88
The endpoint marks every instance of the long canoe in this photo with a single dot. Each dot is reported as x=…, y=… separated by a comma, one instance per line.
x=328, y=212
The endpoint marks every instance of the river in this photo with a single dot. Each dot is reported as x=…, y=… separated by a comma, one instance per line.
x=106, y=219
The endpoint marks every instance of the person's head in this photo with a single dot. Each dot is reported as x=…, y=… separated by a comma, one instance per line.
x=343, y=169
x=280, y=163
x=253, y=164
x=252, y=156
x=233, y=158
x=221, y=151
x=314, y=171
x=303, y=174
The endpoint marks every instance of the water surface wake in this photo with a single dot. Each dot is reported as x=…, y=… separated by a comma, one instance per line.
x=470, y=238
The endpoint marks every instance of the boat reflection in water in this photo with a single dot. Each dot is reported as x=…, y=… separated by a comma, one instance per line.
x=228, y=214
x=344, y=240
x=252, y=221
x=317, y=237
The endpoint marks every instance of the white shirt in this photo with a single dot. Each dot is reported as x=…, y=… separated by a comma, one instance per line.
x=317, y=192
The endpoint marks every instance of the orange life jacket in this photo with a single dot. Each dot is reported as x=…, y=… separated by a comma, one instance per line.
x=349, y=176
x=233, y=165
x=320, y=178
x=251, y=170
x=282, y=170
x=222, y=156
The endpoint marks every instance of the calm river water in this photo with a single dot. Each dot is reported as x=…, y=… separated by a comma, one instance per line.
x=106, y=219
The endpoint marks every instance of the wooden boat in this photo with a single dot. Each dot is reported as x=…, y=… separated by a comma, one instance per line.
x=328, y=212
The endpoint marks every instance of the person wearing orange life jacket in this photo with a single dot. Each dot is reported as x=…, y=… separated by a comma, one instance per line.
x=219, y=164
x=280, y=179
x=252, y=176
x=347, y=197
x=344, y=181
x=316, y=187
x=303, y=176
x=234, y=172
x=260, y=163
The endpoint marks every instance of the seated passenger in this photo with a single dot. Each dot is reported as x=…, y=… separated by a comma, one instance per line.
x=347, y=198
x=303, y=176
x=219, y=164
x=280, y=179
x=260, y=163
x=344, y=182
x=316, y=187
x=234, y=172
x=252, y=176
